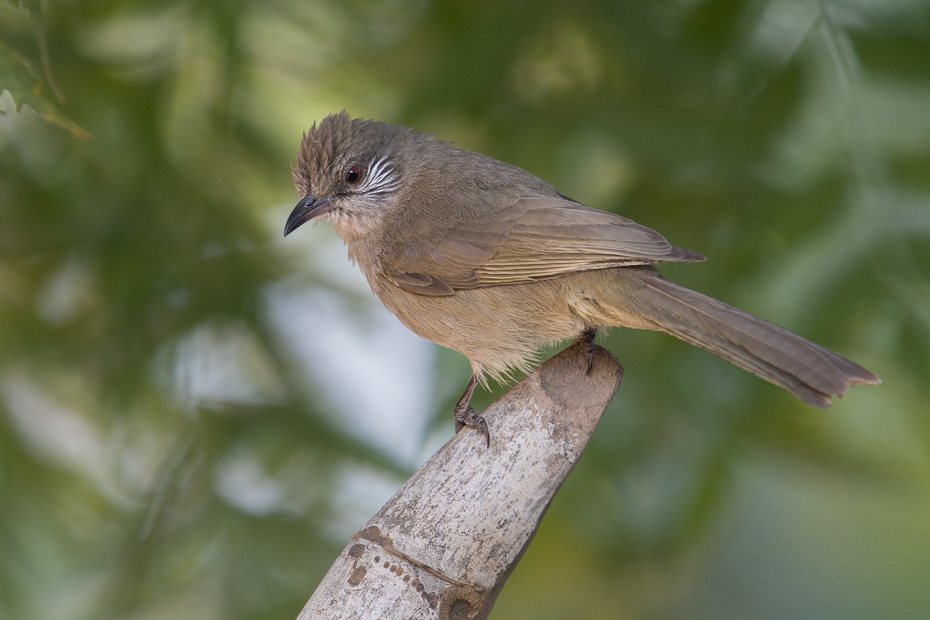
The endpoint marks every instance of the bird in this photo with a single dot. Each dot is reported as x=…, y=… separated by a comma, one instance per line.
x=484, y=258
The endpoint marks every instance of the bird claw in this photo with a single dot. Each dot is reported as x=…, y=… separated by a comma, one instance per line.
x=468, y=417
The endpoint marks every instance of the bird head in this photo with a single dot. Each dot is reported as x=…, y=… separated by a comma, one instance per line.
x=350, y=171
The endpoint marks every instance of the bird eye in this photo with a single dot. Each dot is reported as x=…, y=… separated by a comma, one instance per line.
x=354, y=175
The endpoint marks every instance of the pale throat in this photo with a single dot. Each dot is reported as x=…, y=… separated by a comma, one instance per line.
x=356, y=229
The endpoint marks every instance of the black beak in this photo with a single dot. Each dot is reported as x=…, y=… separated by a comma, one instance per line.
x=306, y=210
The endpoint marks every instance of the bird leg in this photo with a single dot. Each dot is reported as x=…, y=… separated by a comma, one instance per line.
x=586, y=338
x=466, y=416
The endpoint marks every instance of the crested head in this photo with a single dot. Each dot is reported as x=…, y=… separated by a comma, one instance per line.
x=355, y=166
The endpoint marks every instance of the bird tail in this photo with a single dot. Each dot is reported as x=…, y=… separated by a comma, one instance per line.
x=809, y=371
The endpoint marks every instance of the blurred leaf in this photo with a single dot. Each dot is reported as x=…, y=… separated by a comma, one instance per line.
x=18, y=73
x=164, y=451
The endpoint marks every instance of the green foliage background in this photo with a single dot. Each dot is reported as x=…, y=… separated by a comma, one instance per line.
x=144, y=182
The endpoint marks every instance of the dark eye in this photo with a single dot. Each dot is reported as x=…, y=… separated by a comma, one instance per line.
x=354, y=175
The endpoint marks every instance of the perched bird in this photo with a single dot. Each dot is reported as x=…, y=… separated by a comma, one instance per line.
x=484, y=258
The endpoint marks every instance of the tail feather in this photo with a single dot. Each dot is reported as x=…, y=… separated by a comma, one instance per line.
x=809, y=371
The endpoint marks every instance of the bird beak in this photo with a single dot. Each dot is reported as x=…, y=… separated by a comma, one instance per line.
x=306, y=210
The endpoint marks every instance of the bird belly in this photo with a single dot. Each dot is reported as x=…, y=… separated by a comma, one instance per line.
x=501, y=328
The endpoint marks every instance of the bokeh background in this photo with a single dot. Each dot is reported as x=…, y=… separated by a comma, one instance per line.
x=195, y=414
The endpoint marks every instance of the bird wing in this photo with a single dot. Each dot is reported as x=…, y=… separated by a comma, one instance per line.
x=535, y=238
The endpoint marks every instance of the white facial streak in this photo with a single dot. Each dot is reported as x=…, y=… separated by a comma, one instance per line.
x=381, y=178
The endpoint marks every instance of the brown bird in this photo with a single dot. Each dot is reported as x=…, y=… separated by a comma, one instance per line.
x=484, y=258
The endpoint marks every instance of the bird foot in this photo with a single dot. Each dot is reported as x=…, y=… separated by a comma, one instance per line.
x=586, y=338
x=467, y=417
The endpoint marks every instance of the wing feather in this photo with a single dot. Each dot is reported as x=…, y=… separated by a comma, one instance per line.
x=535, y=238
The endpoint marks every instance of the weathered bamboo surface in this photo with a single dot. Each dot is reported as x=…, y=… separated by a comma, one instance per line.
x=445, y=544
